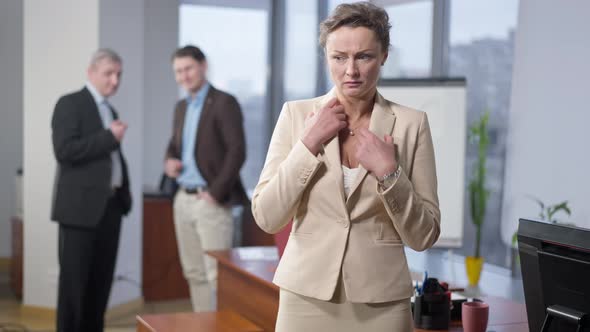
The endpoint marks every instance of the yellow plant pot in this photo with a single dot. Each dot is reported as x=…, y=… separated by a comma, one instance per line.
x=473, y=266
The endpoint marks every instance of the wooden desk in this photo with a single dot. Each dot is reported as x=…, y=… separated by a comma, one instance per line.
x=161, y=273
x=224, y=321
x=245, y=286
x=16, y=264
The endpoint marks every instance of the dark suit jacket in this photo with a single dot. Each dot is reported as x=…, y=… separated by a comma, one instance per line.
x=220, y=148
x=83, y=148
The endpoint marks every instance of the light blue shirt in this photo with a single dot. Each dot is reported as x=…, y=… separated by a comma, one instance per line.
x=104, y=110
x=190, y=176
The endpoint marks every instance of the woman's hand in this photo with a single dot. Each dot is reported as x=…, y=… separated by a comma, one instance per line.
x=375, y=155
x=320, y=127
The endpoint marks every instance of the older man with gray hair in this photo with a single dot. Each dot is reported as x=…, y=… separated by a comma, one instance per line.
x=91, y=194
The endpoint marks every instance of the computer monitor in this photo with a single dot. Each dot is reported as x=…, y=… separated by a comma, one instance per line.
x=555, y=264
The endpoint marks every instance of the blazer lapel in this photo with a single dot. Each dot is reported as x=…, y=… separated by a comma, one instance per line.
x=381, y=123
x=180, y=126
x=206, y=112
x=332, y=153
x=94, y=113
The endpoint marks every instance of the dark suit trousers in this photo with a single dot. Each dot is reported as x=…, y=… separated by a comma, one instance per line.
x=87, y=259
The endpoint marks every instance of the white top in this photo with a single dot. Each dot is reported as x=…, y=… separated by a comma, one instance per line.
x=349, y=177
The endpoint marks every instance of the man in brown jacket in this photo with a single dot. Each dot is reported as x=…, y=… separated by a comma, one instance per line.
x=205, y=154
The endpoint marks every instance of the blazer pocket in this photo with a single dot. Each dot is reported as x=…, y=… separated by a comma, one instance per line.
x=389, y=242
x=386, y=232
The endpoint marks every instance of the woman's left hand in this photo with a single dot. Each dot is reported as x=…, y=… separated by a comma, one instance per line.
x=375, y=155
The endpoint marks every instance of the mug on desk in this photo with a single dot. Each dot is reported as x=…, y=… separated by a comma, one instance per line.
x=474, y=316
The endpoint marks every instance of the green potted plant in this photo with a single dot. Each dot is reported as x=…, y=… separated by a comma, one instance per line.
x=478, y=195
x=547, y=214
x=548, y=211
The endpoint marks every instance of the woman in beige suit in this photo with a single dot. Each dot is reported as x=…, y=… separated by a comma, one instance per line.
x=356, y=174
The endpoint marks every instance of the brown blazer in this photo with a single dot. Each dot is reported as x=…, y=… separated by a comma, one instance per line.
x=220, y=148
x=362, y=235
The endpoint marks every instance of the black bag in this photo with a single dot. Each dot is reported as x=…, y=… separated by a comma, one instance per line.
x=168, y=185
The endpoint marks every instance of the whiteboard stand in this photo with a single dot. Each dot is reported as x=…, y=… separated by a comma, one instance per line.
x=444, y=100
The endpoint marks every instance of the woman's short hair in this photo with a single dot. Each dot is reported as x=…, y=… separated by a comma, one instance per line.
x=358, y=14
x=189, y=51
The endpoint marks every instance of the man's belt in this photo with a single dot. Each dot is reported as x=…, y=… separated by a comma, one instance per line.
x=193, y=190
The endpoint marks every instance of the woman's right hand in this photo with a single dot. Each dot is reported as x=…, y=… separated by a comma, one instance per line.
x=320, y=127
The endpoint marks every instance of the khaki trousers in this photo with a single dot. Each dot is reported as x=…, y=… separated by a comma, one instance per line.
x=201, y=226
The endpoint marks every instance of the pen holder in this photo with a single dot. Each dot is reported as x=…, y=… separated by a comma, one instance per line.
x=432, y=311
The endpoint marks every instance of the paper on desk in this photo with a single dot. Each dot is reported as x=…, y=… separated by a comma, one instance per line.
x=258, y=255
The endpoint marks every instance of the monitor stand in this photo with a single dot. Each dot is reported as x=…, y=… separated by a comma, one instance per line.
x=575, y=317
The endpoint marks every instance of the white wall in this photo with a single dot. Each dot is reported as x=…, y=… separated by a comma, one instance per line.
x=144, y=33
x=549, y=124
x=11, y=116
x=57, y=47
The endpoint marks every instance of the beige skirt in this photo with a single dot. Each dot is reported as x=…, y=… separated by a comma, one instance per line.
x=298, y=313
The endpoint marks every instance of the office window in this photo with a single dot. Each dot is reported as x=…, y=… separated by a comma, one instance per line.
x=410, y=54
x=481, y=49
x=235, y=42
x=301, y=45
x=334, y=3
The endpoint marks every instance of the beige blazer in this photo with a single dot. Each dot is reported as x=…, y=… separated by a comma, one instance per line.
x=362, y=235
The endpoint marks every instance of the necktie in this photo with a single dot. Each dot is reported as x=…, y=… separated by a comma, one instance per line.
x=107, y=118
